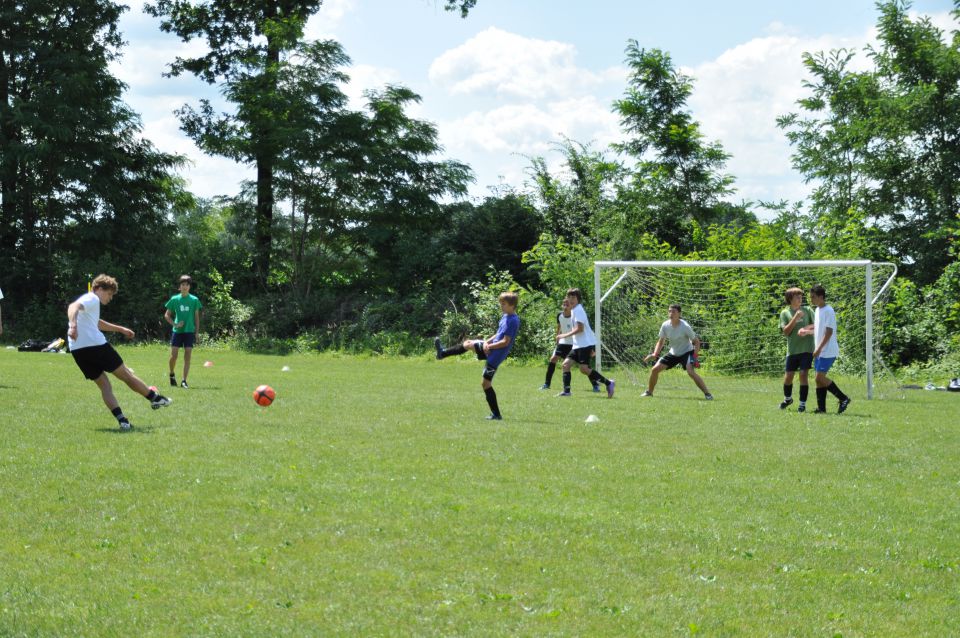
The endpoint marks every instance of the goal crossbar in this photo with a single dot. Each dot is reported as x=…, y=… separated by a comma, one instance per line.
x=871, y=299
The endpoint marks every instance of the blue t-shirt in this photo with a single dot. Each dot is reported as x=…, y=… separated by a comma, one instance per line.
x=509, y=326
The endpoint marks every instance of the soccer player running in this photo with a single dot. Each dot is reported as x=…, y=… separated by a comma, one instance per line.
x=493, y=350
x=584, y=343
x=183, y=313
x=95, y=357
x=793, y=319
x=565, y=323
x=684, y=348
x=825, y=330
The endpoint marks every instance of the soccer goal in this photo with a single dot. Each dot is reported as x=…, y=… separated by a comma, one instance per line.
x=734, y=306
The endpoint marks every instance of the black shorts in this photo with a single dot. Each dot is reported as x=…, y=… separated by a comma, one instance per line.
x=581, y=355
x=562, y=350
x=799, y=361
x=670, y=360
x=95, y=360
x=183, y=339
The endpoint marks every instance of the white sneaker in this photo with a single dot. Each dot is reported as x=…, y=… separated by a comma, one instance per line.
x=708, y=397
x=647, y=393
x=160, y=402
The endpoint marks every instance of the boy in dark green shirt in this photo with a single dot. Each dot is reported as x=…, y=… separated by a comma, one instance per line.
x=799, y=348
x=183, y=313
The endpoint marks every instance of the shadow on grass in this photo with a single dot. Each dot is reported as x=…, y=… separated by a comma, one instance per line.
x=8, y=387
x=137, y=429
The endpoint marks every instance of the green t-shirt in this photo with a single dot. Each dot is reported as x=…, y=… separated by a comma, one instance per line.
x=795, y=343
x=184, y=309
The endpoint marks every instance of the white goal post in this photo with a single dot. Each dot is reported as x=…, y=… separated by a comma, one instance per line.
x=734, y=307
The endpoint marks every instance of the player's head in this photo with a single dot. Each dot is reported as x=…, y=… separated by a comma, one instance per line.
x=508, y=300
x=675, y=306
x=185, y=280
x=792, y=293
x=574, y=296
x=818, y=293
x=104, y=287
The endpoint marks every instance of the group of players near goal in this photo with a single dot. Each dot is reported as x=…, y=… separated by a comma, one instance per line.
x=811, y=342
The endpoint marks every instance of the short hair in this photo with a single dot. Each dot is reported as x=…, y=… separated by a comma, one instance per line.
x=105, y=282
x=677, y=306
x=791, y=293
x=185, y=279
x=819, y=291
x=575, y=292
x=510, y=297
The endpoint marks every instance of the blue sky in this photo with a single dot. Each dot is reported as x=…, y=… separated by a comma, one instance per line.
x=516, y=76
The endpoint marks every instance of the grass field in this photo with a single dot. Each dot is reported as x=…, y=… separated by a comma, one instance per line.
x=373, y=499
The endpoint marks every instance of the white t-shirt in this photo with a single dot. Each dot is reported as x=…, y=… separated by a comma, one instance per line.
x=566, y=325
x=1, y=294
x=88, y=334
x=680, y=337
x=585, y=338
x=825, y=318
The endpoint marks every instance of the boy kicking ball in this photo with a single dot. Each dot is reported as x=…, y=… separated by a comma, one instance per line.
x=493, y=350
x=95, y=357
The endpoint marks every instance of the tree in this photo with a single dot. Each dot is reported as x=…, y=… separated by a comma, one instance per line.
x=247, y=40
x=883, y=145
x=79, y=185
x=678, y=176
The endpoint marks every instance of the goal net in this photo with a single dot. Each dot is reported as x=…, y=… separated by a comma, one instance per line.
x=734, y=307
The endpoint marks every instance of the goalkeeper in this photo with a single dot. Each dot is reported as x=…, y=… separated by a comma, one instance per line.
x=684, y=347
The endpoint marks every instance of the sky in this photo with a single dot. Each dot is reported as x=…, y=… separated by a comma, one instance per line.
x=516, y=77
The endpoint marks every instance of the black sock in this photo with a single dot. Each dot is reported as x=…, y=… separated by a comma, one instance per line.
x=151, y=394
x=551, y=367
x=118, y=413
x=804, y=392
x=457, y=349
x=566, y=381
x=835, y=391
x=596, y=377
x=788, y=391
x=822, y=399
x=492, y=401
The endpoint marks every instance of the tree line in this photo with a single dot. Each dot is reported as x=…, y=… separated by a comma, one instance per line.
x=356, y=232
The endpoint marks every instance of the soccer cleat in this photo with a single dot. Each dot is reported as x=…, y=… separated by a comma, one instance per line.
x=843, y=405
x=708, y=397
x=125, y=426
x=596, y=387
x=160, y=402
x=438, y=347
x=494, y=417
x=173, y=381
x=787, y=401
x=565, y=393
x=801, y=408
x=610, y=386
x=819, y=411
x=647, y=393
x=183, y=384
x=545, y=386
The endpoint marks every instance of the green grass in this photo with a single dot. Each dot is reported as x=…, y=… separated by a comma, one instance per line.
x=373, y=499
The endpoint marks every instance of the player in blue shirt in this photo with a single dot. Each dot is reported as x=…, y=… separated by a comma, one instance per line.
x=493, y=350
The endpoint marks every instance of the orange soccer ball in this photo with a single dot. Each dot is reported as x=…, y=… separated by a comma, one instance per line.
x=264, y=395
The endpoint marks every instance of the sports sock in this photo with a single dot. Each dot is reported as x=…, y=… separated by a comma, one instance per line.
x=457, y=349
x=492, y=401
x=118, y=413
x=566, y=381
x=804, y=392
x=551, y=367
x=822, y=399
x=835, y=391
x=788, y=391
x=151, y=395
x=596, y=377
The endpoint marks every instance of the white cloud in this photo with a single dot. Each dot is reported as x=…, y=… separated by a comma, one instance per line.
x=323, y=24
x=511, y=65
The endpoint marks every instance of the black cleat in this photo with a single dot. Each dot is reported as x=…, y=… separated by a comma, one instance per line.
x=785, y=403
x=494, y=417
x=801, y=408
x=173, y=381
x=843, y=405
x=438, y=347
x=819, y=411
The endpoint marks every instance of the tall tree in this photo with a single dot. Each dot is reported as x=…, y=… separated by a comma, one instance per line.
x=78, y=183
x=884, y=144
x=678, y=175
x=247, y=41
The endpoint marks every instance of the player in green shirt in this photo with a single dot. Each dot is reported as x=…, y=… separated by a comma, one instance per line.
x=799, y=348
x=183, y=313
